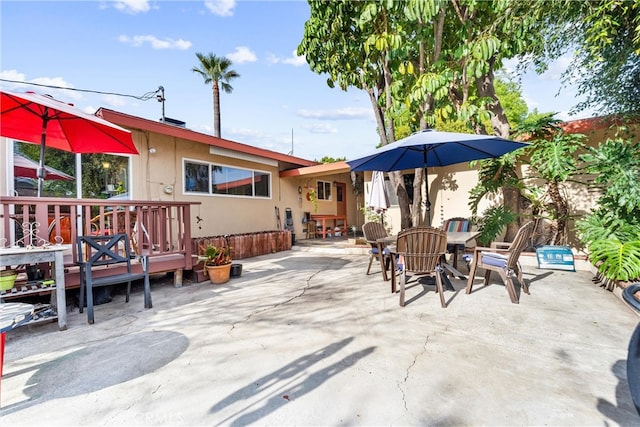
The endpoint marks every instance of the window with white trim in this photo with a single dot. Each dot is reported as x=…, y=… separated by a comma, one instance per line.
x=210, y=178
x=324, y=190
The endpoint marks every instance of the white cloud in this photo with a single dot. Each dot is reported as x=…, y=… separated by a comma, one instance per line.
x=154, y=42
x=221, y=7
x=556, y=68
x=294, y=59
x=241, y=55
x=338, y=114
x=132, y=6
x=323, y=128
x=40, y=85
x=12, y=75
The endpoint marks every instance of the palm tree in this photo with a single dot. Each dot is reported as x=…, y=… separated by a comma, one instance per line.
x=215, y=69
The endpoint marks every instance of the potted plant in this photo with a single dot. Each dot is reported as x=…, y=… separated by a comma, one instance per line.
x=217, y=264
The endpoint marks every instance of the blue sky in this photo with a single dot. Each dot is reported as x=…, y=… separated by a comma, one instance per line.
x=132, y=47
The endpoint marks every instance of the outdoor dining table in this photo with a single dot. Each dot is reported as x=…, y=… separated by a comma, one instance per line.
x=456, y=238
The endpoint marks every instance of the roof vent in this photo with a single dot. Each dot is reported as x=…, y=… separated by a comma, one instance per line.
x=174, y=122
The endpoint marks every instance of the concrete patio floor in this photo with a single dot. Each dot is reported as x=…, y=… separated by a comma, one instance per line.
x=306, y=338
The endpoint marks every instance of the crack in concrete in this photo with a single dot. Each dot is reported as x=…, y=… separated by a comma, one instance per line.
x=304, y=290
x=406, y=377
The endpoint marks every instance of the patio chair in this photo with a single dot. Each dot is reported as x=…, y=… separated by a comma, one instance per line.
x=502, y=260
x=105, y=261
x=420, y=250
x=372, y=232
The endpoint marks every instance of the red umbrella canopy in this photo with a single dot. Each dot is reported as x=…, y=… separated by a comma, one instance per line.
x=41, y=119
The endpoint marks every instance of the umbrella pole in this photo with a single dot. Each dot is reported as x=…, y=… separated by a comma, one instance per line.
x=42, y=173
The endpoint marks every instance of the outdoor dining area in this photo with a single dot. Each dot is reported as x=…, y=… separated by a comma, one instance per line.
x=301, y=338
x=308, y=338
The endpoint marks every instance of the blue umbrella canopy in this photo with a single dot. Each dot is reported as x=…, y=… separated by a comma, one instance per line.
x=434, y=148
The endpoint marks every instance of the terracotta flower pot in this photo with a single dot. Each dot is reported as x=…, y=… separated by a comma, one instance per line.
x=219, y=274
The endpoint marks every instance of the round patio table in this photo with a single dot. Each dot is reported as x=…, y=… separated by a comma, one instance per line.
x=12, y=314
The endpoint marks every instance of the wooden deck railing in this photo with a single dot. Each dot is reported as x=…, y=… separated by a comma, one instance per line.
x=159, y=229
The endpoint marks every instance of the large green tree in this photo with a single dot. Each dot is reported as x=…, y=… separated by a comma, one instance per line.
x=435, y=58
x=603, y=36
x=216, y=71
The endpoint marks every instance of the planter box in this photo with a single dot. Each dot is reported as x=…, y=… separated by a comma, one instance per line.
x=247, y=245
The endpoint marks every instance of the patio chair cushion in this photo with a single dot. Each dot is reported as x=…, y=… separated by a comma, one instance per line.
x=457, y=224
x=375, y=251
x=494, y=259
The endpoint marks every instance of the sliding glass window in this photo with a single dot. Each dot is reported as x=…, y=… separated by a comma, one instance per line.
x=209, y=178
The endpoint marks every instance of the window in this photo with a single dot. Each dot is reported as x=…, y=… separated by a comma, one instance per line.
x=209, y=178
x=324, y=190
x=196, y=178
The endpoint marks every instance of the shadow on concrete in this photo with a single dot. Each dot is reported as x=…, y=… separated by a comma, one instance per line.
x=286, y=384
x=622, y=411
x=429, y=285
x=99, y=366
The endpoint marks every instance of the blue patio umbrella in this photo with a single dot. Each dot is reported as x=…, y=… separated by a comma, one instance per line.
x=434, y=148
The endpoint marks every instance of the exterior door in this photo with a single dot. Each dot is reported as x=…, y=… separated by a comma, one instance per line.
x=341, y=198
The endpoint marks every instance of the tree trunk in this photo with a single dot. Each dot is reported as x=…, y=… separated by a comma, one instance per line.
x=416, y=209
x=561, y=211
x=501, y=127
x=216, y=110
x=511, y=199
x=397, y=182
x=486, y=89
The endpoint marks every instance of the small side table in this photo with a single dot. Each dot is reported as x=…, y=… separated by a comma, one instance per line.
x=12, y=315
x=52, y=254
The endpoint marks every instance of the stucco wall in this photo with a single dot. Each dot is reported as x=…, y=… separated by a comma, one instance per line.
x=160, y=166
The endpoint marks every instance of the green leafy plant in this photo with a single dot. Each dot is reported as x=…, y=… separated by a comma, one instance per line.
x=492, y=222
x=217, y=256
x=615, y=259
x=612, y=232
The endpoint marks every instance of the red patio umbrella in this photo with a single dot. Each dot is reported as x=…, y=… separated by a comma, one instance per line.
x=39, y=119
x=27, y=168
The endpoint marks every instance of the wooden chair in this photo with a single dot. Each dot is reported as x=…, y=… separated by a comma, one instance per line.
x=311, y=229
x=106, y=260
x=502, y=260
x=372, y=232
x=420, y=250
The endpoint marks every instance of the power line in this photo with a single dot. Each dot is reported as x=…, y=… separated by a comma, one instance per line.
x=145, y=97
